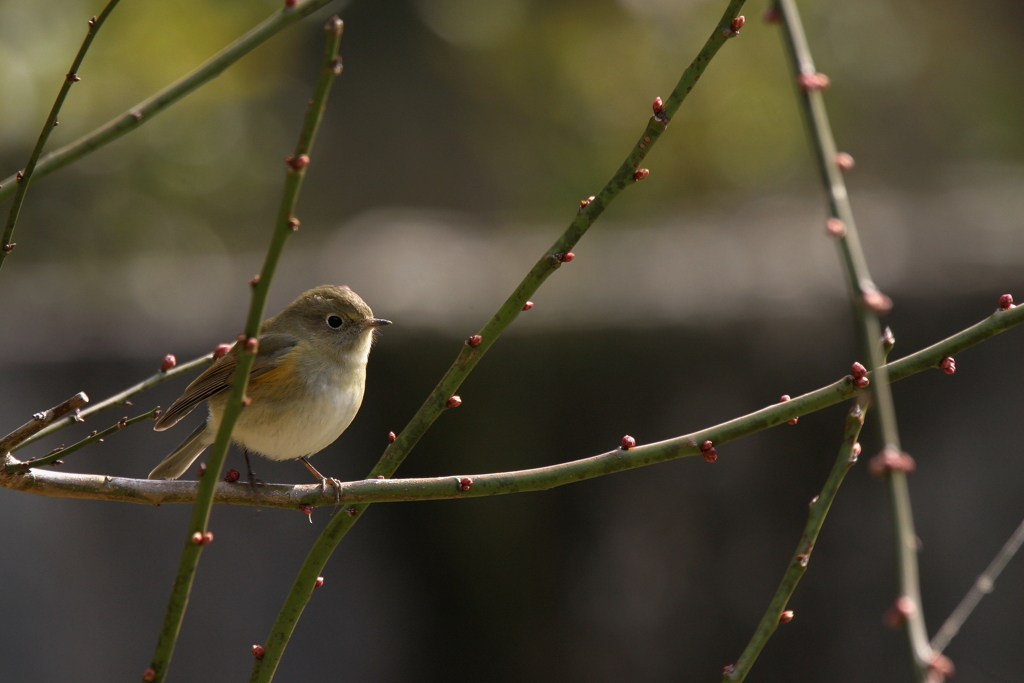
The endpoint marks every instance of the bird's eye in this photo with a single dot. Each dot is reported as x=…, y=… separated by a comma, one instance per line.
x=334, y=321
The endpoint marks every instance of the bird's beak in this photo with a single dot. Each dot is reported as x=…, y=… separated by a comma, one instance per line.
x=375, y=322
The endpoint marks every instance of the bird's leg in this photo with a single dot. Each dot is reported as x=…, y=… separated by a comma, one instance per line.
x=323, y=482
x=252, y=477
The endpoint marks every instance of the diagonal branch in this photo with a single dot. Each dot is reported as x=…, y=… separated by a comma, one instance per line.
x=118, y=399
x=23, y=178
x=142, y=112
x=40, y=421
x=61, y=452
x=982, y=586
x=819, y=507
x=198, y=535
x=867, y=303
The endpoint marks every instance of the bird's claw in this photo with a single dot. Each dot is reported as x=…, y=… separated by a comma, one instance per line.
x=336, y=484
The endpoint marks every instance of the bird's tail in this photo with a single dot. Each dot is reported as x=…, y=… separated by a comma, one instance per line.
x=182, y=457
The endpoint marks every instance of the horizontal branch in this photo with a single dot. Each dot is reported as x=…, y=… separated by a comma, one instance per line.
x=66, y=485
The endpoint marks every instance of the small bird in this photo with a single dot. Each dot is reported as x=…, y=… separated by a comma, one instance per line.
x=306, y=384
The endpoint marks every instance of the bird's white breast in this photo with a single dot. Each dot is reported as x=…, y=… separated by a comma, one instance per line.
x=308, y=423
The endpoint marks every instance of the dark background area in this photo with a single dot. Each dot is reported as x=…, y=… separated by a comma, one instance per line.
x=497, y=118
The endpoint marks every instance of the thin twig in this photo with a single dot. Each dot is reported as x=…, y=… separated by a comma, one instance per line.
x=61, y=452
x=121, y=398
x=982, y=586
x=145, y=110
x=198, y=534
x=867, y=302
x=819, y=508
x=23, y=179
x=40, y=421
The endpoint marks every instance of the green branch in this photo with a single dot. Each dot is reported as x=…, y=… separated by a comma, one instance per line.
x=198, y=535
x=119, y=399
x=99, y=487
x=142, y=112
x=61, y=452
x=867, y=303
x=24, y=177
x=819, y=508
x=438, y=400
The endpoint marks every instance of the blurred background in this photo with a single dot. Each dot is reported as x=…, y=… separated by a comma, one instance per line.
x=456, y=147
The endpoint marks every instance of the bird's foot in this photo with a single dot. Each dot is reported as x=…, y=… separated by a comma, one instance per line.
x=336, y=483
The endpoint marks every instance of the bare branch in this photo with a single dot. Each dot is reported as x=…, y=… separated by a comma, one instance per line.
x=982, y=586
x=868, y=303
x=39, y=422
x=120, y=398
x=819, y=507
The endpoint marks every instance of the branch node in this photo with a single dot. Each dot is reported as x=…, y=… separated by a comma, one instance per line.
x=334, y=25
x=835, y=227
x=844, y=161
x=297, y=163
x=707, y=449
x=898, y=613
x=940, y=668
x=854, y=454
x=877, y=301
x=888, y=340
x=813, y=81
x=783, y=399
x=890, y=460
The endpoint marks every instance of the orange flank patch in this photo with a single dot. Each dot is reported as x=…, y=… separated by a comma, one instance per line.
x=279, y=381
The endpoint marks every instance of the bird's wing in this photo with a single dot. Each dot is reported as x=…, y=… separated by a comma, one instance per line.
x=217, y=377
